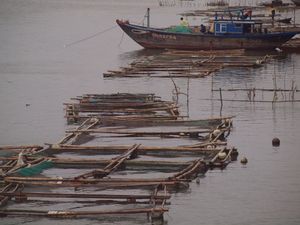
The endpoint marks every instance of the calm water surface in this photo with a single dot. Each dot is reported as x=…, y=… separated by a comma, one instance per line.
x=37, y=69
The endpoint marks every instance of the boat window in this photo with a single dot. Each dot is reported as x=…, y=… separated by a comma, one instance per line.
x=223, y=28
x=238, y=25
x=257, y=28
x=247, y=28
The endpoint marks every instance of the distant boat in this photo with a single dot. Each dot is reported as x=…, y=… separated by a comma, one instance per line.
x=296, y=2
x=274, y=3
x=239, y=33
x=285, y=20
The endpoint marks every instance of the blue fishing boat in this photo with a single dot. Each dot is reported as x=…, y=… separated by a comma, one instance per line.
x=233, y=32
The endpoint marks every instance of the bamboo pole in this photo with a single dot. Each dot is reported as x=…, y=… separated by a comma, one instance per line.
x=143, y=133
x=106, y=180
x=142, y=149
x=68, y=214
x=110, y=185
x=113, y=164
x=83, y=195
x=21, y=147
x=91, y=163
x=94, y=122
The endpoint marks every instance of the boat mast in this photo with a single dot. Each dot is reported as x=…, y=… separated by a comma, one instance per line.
x=148, y=17
x=295, y=16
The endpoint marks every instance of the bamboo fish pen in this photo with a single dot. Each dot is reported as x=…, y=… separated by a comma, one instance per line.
x=126, y=179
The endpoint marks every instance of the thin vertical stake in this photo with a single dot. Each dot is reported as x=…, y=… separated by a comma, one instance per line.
x=221, y=101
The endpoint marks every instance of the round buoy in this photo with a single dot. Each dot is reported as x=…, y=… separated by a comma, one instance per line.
x=209, y=147
x=222, y=155
x=244, y=160
x=198, y=180
x=275, y=142
x=228, y=122
x=259, y=62
x=94, y=120
x=216, y=132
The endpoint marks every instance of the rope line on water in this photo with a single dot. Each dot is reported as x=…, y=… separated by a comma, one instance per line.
x=91, y=36
x=119, y=45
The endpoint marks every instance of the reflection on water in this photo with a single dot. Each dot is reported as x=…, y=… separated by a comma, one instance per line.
x=132, y=55
x=36, y=69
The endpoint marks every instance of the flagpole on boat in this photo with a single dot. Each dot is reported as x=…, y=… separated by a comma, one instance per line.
x=294, y=16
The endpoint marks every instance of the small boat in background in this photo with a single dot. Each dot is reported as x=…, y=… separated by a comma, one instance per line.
x=274, y=3
x=296, y=2
x=238, y=31
x=285, y=20
x=217, y=3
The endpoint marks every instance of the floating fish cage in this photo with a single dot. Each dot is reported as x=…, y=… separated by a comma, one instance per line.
x=114, y=179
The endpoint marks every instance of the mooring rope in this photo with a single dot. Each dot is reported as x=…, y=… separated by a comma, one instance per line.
x=119, y=45
x=101, y=32
x=91, y=36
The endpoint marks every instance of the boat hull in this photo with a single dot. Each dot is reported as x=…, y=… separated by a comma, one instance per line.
x=160, y=39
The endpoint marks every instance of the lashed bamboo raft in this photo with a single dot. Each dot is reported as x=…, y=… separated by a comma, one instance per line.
x=121, y=106
x=192, y=64
x=156, y=203
x=126, y=110
x=199, y=151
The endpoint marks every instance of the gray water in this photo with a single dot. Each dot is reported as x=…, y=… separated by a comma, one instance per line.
x=36, y=68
